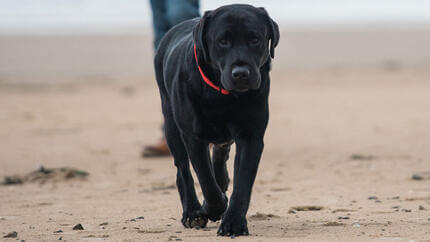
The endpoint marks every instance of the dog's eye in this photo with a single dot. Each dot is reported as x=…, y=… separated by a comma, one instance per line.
x=224, y=43
x=254, y=41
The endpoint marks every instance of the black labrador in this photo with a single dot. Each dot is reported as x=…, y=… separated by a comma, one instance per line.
x=213, y=77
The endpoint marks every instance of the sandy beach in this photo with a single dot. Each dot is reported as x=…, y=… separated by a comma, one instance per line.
x=351, y=141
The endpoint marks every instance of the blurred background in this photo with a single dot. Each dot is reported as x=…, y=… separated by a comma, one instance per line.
x=349, y=125
x=60, y=40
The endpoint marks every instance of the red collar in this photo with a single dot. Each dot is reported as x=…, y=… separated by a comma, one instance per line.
x=223, y=91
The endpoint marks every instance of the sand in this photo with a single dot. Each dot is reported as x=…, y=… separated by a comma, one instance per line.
x=341, y=149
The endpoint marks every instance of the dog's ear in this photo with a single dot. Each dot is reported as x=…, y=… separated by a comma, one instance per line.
x=274, y=33
x=199, y=36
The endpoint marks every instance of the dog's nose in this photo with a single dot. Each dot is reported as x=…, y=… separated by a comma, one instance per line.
x=240, y=73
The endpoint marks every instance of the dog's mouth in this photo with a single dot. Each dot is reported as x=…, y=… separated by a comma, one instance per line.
x=237, y=88
x=241, y=85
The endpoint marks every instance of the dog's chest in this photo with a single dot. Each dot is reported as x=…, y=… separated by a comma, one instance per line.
x=214, y=132
x=213, y=125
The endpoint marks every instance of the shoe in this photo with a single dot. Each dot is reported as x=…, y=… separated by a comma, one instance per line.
x=157, y=150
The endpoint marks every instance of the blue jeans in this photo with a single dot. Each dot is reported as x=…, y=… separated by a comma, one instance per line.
x=168, y=13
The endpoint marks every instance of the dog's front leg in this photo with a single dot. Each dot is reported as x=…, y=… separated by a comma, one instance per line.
x=246, y=162
x=215, y=201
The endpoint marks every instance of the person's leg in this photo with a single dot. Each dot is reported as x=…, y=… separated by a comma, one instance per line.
x=180, y=10
x=166, y=14
x=160, y=26
x=160, y=20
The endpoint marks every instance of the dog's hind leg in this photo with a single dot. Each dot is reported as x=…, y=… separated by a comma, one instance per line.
x=219, y=158
x=193, y=215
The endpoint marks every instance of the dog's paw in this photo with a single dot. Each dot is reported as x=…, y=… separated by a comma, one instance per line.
x=194, y=219
x=233, y=225
x=214, y=213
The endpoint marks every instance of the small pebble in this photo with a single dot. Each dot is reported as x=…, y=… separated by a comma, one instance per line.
x=333, y=224
x=12, y=234
x=417, y=177
x=372, y=198
x=291, y=211
x=345, y=217
x=78, y=227
x=58, y=231
x=421, y=208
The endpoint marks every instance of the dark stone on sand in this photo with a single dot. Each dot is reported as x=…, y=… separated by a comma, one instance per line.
x=141, y=217
x=423, y=175
x=78, y=227
x=417, y=177
x=373, y=198
x=333, y=224
x=263, y=216
x=12, y=180
x=43, y=175
x=361, y=157
x=421, y=208
x=307, y=208
x=58, y=231
x=343, y=210
x=343, y=217
x=12, y=234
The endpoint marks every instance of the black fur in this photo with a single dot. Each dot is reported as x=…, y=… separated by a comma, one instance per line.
x=229, y=40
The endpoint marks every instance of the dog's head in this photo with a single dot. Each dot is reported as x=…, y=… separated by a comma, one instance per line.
x=237, y=40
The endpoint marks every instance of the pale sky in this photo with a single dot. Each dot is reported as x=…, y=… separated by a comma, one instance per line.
x=86, y=15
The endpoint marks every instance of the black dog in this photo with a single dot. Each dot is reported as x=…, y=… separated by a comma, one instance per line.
x=213, y=76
